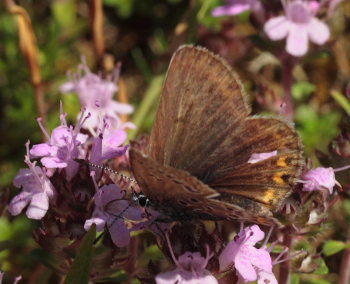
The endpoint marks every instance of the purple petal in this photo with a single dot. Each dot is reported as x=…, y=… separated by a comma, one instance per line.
x=265, y=277
x=277, y=28
x=128, y=125
x=96, y=151
x=112, y=153
x=53, y=162
x=252, y=235
x=261, y=258
x=19, y=202
x=232, y=9
x=39, y=150
x=71, y=169
x=24, y=177
x=228, y=255
x=110, y=192
x=209, y=279
x=38, y=206
x=245, y=268
x=99, y=221
x=81, y=138
x=133, y=213
x=319, y=178
x=67, y=87
x=121, y=107
x=318, y=31
x=169, y=277
x=119, y=233
x=116, y=138
x=61, y=136
x=297, y=40
x=255, y=158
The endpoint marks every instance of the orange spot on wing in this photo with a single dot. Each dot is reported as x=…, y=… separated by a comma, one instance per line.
x=281, y=162
x=269, y=195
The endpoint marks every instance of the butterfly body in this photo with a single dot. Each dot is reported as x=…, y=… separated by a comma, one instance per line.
x=197, y=164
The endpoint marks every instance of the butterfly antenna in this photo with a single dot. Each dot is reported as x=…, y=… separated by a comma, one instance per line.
x=84, y=162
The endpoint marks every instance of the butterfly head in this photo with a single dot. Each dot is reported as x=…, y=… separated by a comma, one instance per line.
x=141, y=199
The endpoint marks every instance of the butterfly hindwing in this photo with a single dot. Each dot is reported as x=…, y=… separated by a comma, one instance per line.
x=180, y=196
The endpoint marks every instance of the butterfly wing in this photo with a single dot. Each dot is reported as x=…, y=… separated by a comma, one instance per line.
x=267, y=182
x=180, y=196
x=201, y=103
x=202, y=127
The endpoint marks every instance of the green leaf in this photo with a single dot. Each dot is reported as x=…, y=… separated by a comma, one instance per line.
x=317, y=130
x=151, y=253
x=317, y=281
x=322, y=268
x=302, y=245
x=64, y=12
x=124, y=7
x=294, y=279
x=302, y=90
x=332, y=247
x=204, y=15
x=80, y=270
x=342, y=101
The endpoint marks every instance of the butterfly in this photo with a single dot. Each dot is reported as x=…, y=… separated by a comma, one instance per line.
x=196, y=165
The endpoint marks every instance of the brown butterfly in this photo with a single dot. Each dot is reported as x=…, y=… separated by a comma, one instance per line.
x=196, y=165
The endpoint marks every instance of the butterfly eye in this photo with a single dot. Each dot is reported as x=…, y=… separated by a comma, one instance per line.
x=143, y=200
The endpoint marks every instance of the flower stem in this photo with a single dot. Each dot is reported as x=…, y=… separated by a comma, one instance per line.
x=151, y=97
x=288, y=63
x=285, y=266
x=345, y=265
x=342, y=168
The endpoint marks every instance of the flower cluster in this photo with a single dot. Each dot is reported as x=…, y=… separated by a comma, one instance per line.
x=298, y=23
x=44, y=186
x=96, y=95
x=251, y=264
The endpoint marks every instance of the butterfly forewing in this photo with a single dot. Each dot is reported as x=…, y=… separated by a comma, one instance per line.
x=201, y=104
x=203, y=129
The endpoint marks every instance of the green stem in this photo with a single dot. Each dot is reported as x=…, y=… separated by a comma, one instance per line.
x=150, y=98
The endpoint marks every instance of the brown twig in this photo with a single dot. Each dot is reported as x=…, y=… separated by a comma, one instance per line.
x=96, y=11
x=28, y=46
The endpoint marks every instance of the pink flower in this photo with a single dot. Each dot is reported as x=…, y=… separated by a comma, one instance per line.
x=318, y=179
x=299, y=25
x=108, y=145
x=110, y=211
x=190, y=270
x=37, y=191
x=251, y=264
x=235, y=7
x=255, y=158
x=96, y=95
x=63, y=146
